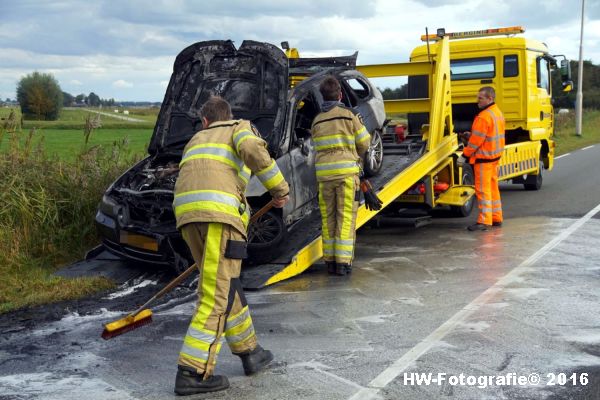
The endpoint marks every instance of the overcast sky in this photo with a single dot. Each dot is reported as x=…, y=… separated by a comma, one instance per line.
x=125, y=49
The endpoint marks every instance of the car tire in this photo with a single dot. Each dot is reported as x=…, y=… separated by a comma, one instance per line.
x=264, y=237
x=374, y=156
x=468, y=178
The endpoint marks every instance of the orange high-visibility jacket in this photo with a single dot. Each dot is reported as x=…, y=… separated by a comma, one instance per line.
x=486, y=143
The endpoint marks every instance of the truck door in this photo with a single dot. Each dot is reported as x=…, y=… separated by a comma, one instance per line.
x=510, y=94
x=543, y=107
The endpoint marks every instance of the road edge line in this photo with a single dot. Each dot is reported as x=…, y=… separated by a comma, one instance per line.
x=394, y=370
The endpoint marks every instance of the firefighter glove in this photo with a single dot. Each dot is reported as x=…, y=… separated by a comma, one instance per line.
x=372, y=202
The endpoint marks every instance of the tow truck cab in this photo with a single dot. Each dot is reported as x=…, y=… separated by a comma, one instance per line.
x=518, y=68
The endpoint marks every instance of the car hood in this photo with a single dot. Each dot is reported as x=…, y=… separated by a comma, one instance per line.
x=252, y=78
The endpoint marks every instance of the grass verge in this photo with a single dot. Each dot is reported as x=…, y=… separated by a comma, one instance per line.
x=564, y=133
x=47, y=206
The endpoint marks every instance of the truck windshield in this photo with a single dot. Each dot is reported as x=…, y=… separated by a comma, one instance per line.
x=472, y=68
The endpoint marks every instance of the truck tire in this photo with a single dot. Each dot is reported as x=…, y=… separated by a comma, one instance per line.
x=468, y=178
x=537, y=181
x=374, y=156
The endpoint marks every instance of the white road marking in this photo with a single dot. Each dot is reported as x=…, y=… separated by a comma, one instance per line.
x=322, y=369
x=589, y=147
x=394, y=370
x=564, y=155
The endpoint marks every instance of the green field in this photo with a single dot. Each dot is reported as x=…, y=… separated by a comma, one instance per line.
x=65, y=138
x=66, y=144
x=74, y=118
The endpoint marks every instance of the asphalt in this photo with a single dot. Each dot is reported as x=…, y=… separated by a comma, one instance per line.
x=518, y=302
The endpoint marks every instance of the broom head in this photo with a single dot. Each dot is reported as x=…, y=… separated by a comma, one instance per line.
x=126, y=324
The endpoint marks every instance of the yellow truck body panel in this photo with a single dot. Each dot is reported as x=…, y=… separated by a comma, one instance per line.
x=519, y=70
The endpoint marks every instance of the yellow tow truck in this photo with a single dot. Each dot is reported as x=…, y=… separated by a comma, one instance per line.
x=443, y=80
x=519, y=69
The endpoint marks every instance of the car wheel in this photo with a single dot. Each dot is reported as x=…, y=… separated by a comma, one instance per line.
x=264, y=237
x=468, y=178
x=374, y=156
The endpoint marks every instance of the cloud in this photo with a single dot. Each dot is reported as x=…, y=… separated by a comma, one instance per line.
x=122, y=84
x=109, y=46
x=167, y=12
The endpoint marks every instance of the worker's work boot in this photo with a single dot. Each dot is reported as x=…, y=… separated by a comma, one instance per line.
x=255, y=360
x=330, y=267
x=340, y=269
x=343, y=269
x=188, y=381
x=497, y=223
x=478, y=227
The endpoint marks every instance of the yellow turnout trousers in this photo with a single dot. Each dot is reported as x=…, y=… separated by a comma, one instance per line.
x=338, y=204
x=222, y=307
x=488, y=194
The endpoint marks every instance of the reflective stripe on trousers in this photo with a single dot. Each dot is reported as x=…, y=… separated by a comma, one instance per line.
x=338, y=218
x=488, y=194
x=222, y=307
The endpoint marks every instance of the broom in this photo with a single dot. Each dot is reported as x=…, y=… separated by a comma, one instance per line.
x=143, y=316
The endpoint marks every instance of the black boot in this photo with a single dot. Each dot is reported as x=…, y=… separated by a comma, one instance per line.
x=188, y=382
x=255, y=360
x=343, y=269
x=478, y=227
x=330, y=267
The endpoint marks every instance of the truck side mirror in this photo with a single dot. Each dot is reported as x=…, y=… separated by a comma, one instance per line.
x=565, y=73
x=565, y=70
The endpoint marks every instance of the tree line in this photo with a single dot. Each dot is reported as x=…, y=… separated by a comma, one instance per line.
x=91, y=99
x=591, y=88
x=40, y=97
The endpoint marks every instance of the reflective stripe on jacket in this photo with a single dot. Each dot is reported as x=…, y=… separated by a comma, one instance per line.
x=214, y=171
x=341, y=141
x=487, y=136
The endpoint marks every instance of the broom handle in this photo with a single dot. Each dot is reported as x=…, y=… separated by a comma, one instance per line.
x=261, y=212
x=167, y=288
x=188, y=271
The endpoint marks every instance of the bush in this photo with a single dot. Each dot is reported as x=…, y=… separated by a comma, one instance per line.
x=39, y=96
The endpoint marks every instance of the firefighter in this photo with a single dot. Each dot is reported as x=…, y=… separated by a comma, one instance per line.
x=212, y=214
x=341, y=141
x=484, y=149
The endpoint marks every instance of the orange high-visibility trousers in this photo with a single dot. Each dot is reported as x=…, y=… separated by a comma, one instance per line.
x=488, y=194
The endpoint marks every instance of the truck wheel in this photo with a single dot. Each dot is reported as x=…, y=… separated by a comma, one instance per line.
x=468, y=178
x=537, y=183
x=374, y=156
x=264, y=237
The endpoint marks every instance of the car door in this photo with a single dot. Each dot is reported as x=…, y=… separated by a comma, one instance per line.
x=303, y=108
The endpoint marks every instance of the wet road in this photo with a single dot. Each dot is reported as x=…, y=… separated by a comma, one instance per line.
x=484, y=313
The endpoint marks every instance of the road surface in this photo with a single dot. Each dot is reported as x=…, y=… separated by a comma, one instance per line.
x=430, y=313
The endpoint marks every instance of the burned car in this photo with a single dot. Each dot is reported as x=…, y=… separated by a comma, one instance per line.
x=135, y=217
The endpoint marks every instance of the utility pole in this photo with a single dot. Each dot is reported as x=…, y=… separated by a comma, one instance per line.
x=579, y=97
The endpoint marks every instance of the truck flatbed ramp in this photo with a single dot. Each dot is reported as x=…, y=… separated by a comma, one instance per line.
x=303, y=245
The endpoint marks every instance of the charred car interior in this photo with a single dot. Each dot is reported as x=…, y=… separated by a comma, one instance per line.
x=135, y=217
